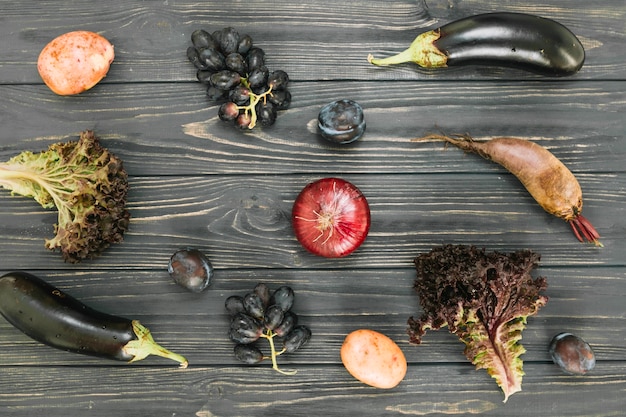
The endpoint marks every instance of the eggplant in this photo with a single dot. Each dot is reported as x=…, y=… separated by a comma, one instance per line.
x=50, y=316
x=517, y=40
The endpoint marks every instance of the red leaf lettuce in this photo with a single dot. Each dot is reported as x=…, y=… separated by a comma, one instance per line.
x=484, y=298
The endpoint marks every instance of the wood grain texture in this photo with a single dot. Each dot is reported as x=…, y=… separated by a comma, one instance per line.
x=198, y=182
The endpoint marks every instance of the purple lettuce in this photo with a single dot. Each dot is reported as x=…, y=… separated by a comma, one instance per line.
x=484, y=298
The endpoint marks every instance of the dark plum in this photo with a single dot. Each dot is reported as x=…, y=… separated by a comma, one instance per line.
x=572, y=354
x=341, y=121
x=191, y=269
x=248, y=354
x=296, y=338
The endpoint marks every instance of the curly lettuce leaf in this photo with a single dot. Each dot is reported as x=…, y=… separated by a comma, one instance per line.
x=484, y=298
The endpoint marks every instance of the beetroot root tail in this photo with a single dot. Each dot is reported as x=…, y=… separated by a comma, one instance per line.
x=584, y=230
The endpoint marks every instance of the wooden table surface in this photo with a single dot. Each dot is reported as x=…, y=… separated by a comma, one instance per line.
x=198, y=182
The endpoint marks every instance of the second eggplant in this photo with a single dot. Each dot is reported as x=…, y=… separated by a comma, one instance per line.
x=518, y=40
x=56, y=319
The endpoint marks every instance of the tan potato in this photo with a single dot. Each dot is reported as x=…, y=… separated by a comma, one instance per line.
x=75, y=61
x=373, y=358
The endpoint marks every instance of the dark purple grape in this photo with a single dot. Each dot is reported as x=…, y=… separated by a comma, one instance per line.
x=234, y=305
x=258, y=77
x=341, y=121
x=190, y=269
x=243, y=121
x=278, y=80
x=202, y=39
x=212, y=59
x=243, y=325
x=248, y=354
x=290, y=320
x=216, y=94
x=273, y=317
x=296, y=338
x=245, y=43
x=228, y=111
x=283, y=297
x=239, y=337
x=194, y=58
x=225, y=79
x=254, y=305
x=239, y=95
x=229, y=40
x=263, y=291
x=255, y=58
x=266, y=113
x=236, y=62
x=204, y=76
x=281, y=99
x=572, y=354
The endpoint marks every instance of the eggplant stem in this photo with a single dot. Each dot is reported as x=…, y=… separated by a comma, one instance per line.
x=144, y=346
x=422, y=52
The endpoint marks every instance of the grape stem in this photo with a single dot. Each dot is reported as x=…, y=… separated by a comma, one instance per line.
x=254, y=100
x=270, y=338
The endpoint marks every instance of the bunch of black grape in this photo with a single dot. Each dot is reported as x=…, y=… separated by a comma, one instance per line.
x=237, y=77
x=259, y=315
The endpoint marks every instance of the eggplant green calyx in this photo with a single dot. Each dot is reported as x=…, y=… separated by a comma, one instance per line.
x=422, y=52
x=144, y=346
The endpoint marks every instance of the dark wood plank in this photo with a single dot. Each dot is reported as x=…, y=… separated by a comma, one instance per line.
x=197, y=182
x=227, y=391
x=245, y=221
x=172, y=129
x=331, y=302
x=311, y=40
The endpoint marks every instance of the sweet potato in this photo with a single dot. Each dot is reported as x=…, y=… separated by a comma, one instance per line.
x=75, y=61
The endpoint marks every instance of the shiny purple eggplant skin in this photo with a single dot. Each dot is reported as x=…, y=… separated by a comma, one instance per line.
x=52, y=317
x=56, y=319
x=517, y=40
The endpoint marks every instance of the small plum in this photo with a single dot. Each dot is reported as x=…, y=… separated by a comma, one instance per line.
x=190, y=269
x=341, y=121
x=572, y=354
